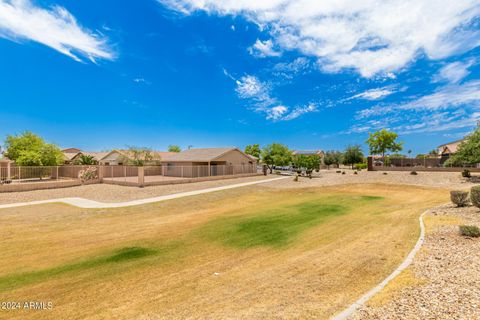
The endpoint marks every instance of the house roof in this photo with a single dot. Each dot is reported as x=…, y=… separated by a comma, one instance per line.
x=450, y=147
x=200, y=154
x=307, y=152
x=96, y=155
x=70, y=155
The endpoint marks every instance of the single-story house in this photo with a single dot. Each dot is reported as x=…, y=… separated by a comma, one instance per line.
x=446, y=150
x=202, y=162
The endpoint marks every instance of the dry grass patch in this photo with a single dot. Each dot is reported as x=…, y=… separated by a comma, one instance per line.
x=243, y=253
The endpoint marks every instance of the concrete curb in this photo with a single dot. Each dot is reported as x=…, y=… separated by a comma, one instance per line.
x=91, y=204
x=367, y=296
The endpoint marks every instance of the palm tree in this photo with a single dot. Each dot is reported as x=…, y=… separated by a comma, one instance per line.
x=86, y=160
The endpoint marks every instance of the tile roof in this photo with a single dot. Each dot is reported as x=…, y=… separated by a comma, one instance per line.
x=198, y=155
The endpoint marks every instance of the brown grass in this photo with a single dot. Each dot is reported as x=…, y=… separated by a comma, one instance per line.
x=327, y=267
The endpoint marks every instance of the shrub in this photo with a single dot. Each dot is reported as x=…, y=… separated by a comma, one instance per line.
x=343, y=172
x=460, y=198
x=470, y=231
x=466, y=173
x=413, y=173
x=339, y=171
x=385, y=173
x=296, y=178
x=475, y=196
x=88, y=174
x=360, y=166
x=355, y=172
x=278, y=172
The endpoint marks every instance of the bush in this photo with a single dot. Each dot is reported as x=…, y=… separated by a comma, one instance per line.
x=296, y=178
x=343, y=172
x=88, y=174
x=339, y=171
x=385, y=173
x=413, y=173
x=278, y=172
x=475, y=196
x=466, y=173
x=355, y=172
x=470, y=231
x=460, y=198
x=360, y=166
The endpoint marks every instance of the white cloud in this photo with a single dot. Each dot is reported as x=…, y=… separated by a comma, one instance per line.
x=56, y=28
x=258, y=93
x=370, y=36
x=449, y=107
x=264, y=49
x=289, y=70
x=276, y=113
x=373, y=94
x=297, y=112
x=454, y=72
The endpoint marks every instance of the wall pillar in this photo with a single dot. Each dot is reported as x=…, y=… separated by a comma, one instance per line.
x=9, y=168
x=370, y=163
x=141, y=177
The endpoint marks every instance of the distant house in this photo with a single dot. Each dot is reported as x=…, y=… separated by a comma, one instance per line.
x=208, y=162
x=445, y=151
x=319, y=153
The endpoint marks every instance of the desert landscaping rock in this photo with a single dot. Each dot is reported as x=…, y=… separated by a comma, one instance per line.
x=448, y=267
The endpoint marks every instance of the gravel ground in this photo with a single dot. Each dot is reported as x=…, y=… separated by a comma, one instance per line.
x=114, y=193
x=448, y=268
x=449, y=180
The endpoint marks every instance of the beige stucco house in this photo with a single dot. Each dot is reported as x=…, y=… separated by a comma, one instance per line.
x=208, y=162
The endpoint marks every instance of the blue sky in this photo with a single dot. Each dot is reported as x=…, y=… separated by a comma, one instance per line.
x=105, y=74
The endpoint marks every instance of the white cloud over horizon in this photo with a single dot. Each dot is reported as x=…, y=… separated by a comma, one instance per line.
x=56, y=28
x=453, y=106
x=264, y=49
x=368, y=36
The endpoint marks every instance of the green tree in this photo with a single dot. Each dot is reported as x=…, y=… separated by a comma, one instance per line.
x=332, y=157
x=253, y=150
x=139, y=156
x=28, y=149
x=383, y=141
x=174, y=148
x=353, y=154
x=468, y=151
x=276, y=154
x=307, y=162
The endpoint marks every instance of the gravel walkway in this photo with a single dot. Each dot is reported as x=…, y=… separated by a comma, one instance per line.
x=447, y=273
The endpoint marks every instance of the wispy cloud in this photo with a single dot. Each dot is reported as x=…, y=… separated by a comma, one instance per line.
x=54, y=27
x=369, y=36
x=454, y=72
x=450, y=107
x=259, y=94
x=264, y=49
x=373, y=94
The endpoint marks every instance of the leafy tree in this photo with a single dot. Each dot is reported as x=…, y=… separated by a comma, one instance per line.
x=174, y=148
x=397, y=156
x=433, y=153
x=85, y=160
x=253, y=150
x=353, y=154
x=332, y=157
x=276, y=154
x=28, y=149
x=308, y=162
x=139, y=156
x=383, y=141
x=468, y=151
